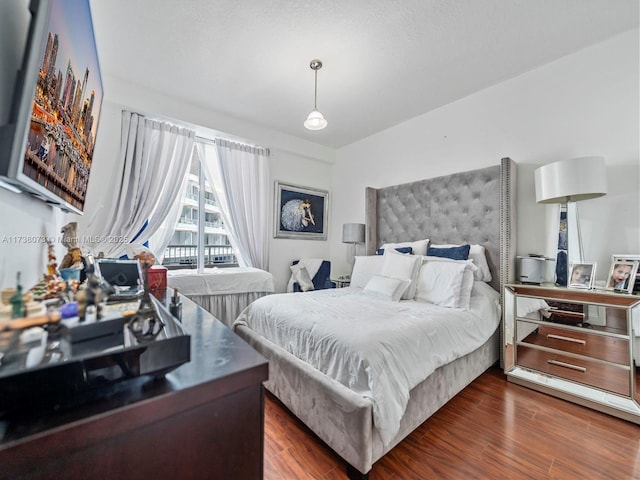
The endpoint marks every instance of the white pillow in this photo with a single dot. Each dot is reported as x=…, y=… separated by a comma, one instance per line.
x=301, y=275
x=399, y=265
x=468, y=279
x=469, y=263
x=478, y=254
x=364, y=268
x=419, y=247
x=387, y=287
x=443, y=283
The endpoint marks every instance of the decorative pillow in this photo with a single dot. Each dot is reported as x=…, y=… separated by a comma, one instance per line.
x=399, y=265
x=408, y=250
x=456, y=253
x=478, y=254
x=443, y=283
x=301, y=275
x=419, y=247
x=387, y=287
x=364, y=268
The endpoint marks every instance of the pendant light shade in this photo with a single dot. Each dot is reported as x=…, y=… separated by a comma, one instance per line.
x=315, y=120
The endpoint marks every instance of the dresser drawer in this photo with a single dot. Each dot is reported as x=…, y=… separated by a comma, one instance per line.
x=611, y=349
x=582, y=370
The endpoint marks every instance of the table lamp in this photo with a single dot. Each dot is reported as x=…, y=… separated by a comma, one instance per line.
x=567, y=182
x=352, y=233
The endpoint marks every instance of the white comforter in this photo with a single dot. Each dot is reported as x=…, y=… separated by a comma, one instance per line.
x=378, y=348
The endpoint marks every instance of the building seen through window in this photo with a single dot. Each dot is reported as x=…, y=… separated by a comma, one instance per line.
x=200, y=227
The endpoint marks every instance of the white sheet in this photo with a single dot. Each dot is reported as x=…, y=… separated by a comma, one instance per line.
x=378, y=348
x=221, y=281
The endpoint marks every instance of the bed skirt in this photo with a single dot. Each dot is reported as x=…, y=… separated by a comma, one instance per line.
x=342, y=418
x=227, y=307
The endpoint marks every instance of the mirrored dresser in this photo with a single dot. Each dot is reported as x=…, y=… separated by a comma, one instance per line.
x=579, y=345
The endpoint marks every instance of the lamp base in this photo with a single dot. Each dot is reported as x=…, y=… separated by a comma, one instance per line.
x=562, y=258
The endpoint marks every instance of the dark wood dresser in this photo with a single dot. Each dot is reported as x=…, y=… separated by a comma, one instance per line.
x=203, y=420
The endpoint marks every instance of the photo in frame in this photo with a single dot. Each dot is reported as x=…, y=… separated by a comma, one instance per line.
x=622, y=276
x=629, y=257
x=582, y=275
x=300, y=212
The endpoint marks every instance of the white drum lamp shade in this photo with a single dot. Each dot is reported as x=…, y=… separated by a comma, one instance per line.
x=567, y=182
x=571, y=180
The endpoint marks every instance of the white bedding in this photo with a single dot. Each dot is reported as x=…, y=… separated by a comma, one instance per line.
x=378, y=348
x=221, y=281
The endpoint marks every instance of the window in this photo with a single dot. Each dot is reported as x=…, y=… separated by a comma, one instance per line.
x=199, y=238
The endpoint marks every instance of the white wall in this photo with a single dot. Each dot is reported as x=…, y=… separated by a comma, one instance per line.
x=293, y=169
x=583, y=104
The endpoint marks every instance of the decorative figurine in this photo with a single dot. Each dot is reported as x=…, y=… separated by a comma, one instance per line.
x=73, y=258
x=52, y=262
x=17, y=304
x=52, y=285
x=146, y=324
x=93, y=294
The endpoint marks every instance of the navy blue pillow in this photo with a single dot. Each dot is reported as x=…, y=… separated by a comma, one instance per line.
x=455, y=253
x=380, y=251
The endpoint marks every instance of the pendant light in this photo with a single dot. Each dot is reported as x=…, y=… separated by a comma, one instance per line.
x=315, y=120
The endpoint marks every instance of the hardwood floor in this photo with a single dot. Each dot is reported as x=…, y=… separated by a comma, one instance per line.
x=493, y=429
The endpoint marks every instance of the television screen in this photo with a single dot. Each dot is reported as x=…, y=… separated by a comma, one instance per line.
x=59, y=98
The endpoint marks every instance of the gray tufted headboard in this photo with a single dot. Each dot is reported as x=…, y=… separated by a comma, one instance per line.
x=468, y=207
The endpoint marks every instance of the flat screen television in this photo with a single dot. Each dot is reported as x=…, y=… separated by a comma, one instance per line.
x=47, y=146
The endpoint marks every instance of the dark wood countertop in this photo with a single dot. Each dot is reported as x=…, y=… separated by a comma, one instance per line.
x=221, y=363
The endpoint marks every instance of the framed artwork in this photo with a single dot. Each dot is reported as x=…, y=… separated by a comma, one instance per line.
x=582, y=275
x=622, y=275
x=301, y=212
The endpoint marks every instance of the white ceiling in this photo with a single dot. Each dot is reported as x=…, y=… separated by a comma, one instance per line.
x=384, y=61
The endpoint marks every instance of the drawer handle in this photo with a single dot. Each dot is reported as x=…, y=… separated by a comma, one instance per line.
x=566, y=339
x=567, y=365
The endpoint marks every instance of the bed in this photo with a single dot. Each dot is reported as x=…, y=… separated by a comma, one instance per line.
x=224, y=292
x=350, y=413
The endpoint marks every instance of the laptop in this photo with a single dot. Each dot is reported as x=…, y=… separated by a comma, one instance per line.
x=125, y=276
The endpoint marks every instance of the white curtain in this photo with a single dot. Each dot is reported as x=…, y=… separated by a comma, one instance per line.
x=154, y=157
x=240, y=176
x=162, y=236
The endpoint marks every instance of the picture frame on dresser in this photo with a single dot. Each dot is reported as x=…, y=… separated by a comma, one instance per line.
x=629, y=257
x=622, y=275
x=582, y=275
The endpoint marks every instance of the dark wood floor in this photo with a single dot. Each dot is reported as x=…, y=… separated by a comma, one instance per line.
x=493, y=429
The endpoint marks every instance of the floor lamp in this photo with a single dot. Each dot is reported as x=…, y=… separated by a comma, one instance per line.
x=567, y=182
x=352, y=233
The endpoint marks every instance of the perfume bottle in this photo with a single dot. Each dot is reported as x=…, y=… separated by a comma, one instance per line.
x=175, y=307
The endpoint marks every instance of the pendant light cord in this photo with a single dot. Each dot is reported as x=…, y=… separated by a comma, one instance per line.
x=315, y=89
